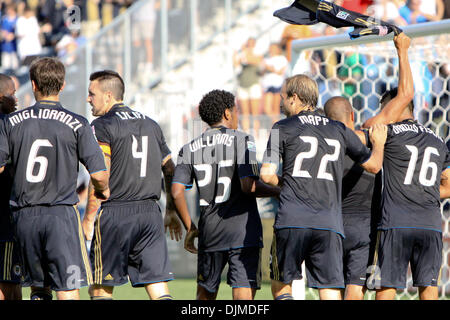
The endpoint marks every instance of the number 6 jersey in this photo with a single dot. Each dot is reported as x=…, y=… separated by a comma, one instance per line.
x=217, y=160
x=414, y=158
x=45, y=143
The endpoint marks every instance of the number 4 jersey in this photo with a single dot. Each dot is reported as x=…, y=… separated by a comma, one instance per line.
x=137, y=148
x=217, y=160
x=414, y=158
x=45, y=143
x=312, y=149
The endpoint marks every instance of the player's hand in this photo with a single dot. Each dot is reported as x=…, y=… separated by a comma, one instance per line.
x=88, y=228
x=191, y=234
x=102, y=195
x=378, y=134
x=402, y=41
x=172, y=222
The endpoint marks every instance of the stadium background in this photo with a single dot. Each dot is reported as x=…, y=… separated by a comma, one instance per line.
x=192, y=44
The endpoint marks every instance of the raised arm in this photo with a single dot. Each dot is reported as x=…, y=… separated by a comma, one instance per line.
x=405, y=93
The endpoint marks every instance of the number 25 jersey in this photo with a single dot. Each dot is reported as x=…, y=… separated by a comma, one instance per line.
x=217, y=160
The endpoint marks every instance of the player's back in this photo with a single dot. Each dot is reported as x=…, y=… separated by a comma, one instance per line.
x=217, y=160
x=46, y=141
x=414, y=158
x=312, y=148
x=137, y=149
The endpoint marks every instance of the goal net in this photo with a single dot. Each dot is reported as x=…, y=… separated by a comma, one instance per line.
x=363, y=70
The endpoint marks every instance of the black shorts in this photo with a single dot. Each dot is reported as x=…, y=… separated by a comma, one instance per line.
x=356, y=248
x=52, y=246
x=129, y=241
x=10, y=264
x=320, y=249
x=421, y=248
x=244, y=268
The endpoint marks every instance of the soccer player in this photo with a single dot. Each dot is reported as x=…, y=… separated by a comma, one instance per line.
x=358, y=185
x=416, y=168
x=10, y=267
x=222, y=161
x=135, y=152
x=45, y=143
x=308, y=226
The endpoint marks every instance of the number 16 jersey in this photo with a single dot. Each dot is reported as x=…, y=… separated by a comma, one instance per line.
x=414, y=158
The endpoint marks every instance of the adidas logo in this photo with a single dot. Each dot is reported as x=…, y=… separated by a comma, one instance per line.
x=109, y=277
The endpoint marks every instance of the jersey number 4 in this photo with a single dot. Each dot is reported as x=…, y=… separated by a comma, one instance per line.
x=314, y=143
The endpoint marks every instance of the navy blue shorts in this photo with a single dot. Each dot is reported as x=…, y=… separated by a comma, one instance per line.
x=52, y=246
x=321, y=250
x=356, y=248
x=129, y=241
x=421, y=248
x=244, y=268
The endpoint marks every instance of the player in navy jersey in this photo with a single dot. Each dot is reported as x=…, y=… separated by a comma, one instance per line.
x=359, y=202
x=45, y=143
x=222, y=162
x=135, y=152
x=308, y=226
x=415, y=172
x=10, y=267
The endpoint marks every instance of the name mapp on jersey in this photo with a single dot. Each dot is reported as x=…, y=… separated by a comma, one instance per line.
x=47, y=114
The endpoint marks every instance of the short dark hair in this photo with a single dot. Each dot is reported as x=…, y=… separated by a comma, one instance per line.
x=110, y=81
x=391, y=94
x=213, y=105
x=48, y=74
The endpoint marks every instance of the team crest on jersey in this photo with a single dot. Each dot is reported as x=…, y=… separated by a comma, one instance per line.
x=17, y=270
x=342, y=15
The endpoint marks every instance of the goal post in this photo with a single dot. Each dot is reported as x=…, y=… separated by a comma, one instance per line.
x=363, y=69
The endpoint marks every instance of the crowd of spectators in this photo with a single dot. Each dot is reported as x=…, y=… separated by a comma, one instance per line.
x=358, y=75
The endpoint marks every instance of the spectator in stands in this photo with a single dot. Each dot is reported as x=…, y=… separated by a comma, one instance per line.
x=432, y=10
x=54, y=27
x=67, y=46
x=386, y=10
x=8, y=44
x=27, y=33
x=275, y=67
x=293, y=32
x=249, y=90
x=411, y=12
x=446, y=9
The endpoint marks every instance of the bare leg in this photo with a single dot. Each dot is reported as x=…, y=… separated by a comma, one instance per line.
x=330, y=294
x=99, y=292
x=354, y=292
x=203, y=294
x=428, y=293
x=279, y=289
x=243, y=293
x=157, y=290
x=68, y=295
x=10, y=291
x=386, y=294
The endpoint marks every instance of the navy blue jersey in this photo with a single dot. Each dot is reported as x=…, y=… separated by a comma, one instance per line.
x=414, y=159
x=137, y=148
x=312, y=149
x=45, y=143
x=357, y=187
x=216, y=161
